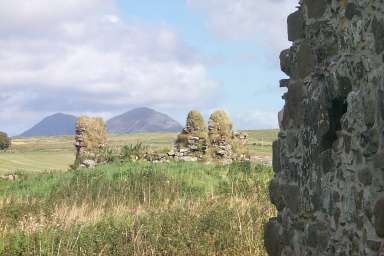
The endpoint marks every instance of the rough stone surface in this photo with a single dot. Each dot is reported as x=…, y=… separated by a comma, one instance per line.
x=329, y=157
x=90, y=141
x=196, y=142
x=220, y=136
x=295, y=26
x=379, y=217
x=192, y=142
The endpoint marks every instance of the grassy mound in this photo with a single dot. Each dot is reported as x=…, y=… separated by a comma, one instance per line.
x=137, y=209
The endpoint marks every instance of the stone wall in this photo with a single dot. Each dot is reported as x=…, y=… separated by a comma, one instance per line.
x=192, y=142
x=90, y=141
x=218, y=142
x=220, y=132
x=329, y=157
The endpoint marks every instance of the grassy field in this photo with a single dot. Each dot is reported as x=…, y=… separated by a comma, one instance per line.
x=57, y=153
x=132, y=208
x=137, y=209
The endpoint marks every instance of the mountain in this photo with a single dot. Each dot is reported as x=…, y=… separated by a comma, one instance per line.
x=136, y=120
x=55, y=125
x=143, y=120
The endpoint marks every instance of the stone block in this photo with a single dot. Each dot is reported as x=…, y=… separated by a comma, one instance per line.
x=379, y=217
x=295, y=26
x=315, y=8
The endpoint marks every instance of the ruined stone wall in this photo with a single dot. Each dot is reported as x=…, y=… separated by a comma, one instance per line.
x=90, y=141
x=329, y=157
x=220, y=132
x=192, y=142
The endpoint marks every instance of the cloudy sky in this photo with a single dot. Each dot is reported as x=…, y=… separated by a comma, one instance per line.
x=104, y=57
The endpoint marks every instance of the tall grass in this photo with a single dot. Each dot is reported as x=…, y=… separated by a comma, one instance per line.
x=137, y=209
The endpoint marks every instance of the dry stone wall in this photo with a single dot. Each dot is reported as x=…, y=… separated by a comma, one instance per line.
x=90, y=141
x=192, y=142
x=220, y=131
x=329, y=157
x=217, y=142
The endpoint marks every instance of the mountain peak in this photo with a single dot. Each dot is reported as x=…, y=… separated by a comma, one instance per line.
x=136, y=120
x=142, y=120
x=54, y=125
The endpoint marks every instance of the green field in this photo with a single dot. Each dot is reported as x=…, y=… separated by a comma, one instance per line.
x=57, y=153
x=132, y=208
x=137, y=209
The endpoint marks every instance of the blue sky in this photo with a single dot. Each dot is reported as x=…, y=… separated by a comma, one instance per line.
x=248, y=72
x=103, y=58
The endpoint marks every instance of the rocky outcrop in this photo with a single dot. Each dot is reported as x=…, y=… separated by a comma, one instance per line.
x=90, y=141
x=329, y=158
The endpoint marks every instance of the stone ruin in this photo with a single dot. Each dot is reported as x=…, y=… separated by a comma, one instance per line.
x=218, y=142
x=240, y=146
x=329, y=157
x=220, y=136
x=225, y=144
x=90, y=141
x=192, y=142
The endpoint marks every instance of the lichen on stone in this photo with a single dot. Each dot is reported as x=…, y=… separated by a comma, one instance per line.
x=90, y=141
x=192, y=142
x=328, y=159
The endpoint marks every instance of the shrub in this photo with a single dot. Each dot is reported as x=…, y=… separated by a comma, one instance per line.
x=5, y=141
x=134, y=152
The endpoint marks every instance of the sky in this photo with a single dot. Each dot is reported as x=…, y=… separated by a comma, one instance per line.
x=105, y=57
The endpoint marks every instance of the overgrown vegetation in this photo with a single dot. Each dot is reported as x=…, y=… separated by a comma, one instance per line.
x=5, y=141
x=90, y=141
x=137, y=208
x=57, y=153
x=220, y=126
x=195, y=127
x=134, y=152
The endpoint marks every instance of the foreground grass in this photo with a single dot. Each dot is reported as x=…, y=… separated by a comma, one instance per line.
x=137, y=209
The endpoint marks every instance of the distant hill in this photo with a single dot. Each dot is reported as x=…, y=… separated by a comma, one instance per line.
x=143, y=120
x=136, y=120
x=55, y=125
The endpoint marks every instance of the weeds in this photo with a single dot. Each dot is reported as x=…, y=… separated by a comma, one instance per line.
x=137, y=208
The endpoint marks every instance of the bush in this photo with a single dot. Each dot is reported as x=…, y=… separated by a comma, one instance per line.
x=5, y=141
x=134, y=152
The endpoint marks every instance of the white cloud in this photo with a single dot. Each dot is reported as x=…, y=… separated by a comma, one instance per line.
x=79, y=55
x=260, y=20
x=252, y=120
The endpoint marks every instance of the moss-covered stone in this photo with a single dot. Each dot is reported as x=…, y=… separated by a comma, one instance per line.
x=220, y=126
x=192, y=142
x=90, y=140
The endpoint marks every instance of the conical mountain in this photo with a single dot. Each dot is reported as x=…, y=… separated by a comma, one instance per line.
x=143, y=120
x=55, y=125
